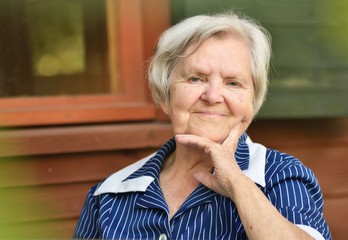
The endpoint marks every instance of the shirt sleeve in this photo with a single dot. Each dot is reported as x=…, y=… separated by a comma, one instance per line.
x=87, y=225
x=295, y=192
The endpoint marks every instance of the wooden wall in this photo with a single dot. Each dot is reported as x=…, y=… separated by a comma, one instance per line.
x=45, y=173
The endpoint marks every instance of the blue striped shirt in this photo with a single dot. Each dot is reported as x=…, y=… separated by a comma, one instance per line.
x=130, y=203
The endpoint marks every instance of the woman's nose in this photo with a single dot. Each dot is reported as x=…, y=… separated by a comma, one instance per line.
x=212, y=94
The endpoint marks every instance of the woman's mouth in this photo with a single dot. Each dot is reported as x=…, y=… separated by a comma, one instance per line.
x=212, y=114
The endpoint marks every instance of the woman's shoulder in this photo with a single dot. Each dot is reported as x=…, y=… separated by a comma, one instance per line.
x=282, y=166
x=119, y=182
x=280, y=158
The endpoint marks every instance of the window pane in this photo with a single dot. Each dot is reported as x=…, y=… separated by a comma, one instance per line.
x=54, y=48
x=56, y=37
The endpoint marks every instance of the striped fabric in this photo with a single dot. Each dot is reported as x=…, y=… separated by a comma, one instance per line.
x=143, y=214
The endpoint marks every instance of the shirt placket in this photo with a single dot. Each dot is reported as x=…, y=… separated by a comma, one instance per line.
x=195, y=202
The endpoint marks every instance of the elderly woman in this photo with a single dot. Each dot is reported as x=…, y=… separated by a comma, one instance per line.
x=209, y=75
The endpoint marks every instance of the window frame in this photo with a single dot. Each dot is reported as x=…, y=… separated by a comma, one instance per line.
x=125, y=27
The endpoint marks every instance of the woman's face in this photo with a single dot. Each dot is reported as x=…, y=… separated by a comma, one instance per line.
x=211, y=90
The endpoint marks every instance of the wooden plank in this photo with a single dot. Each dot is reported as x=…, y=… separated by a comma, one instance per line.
x=277, y=133
x=83, y=138
x=131, y=48
x=156, y=16
x=65, y=168
x=329, y=165
x=336, y=214
x=55, y=229
x=42, y=203
x=76, y=114
x=113, y=45
x=72, y=102
x=156, y=20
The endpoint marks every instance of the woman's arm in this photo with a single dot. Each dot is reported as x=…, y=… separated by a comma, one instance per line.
x=260, y=218
x=87, y=227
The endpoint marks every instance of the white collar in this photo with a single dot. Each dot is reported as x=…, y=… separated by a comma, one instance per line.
x=116, y=184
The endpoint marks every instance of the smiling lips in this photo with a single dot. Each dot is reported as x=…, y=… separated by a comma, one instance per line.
x=210, y=114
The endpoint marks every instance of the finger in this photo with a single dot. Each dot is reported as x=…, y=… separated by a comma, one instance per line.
x=210, y=181
x=205, y=178
x=231, y=142
x=194, y=141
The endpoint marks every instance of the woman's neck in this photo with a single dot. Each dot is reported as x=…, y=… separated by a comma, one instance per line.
x=176, y=176
x=185, y=161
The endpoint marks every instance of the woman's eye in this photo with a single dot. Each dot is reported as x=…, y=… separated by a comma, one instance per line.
x=195, y=79
x=233, y=83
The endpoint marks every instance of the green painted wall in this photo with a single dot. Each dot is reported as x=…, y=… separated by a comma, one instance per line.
x=309, y=76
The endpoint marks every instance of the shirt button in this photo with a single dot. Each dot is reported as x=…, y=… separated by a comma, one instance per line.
x=162, y=237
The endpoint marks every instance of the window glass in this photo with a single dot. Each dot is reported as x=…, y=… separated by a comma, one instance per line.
x=55, y=48
x=56, y=37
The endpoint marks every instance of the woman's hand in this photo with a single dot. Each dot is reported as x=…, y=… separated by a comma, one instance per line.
x=222, y=156
x=260, y=219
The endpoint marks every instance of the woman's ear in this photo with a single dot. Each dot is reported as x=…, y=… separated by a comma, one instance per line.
x=164, y=107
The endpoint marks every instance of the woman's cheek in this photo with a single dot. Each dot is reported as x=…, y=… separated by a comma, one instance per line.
x=242, y=107
x=242, y=102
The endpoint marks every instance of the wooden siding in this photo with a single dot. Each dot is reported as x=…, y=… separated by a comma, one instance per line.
x=42, y=193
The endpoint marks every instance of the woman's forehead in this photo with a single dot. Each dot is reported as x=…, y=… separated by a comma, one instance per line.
x=215, y=51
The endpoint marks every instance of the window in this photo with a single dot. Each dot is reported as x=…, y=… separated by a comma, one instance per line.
x=72, y=61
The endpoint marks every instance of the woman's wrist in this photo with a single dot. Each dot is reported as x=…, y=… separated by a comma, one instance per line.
x=237, y=185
